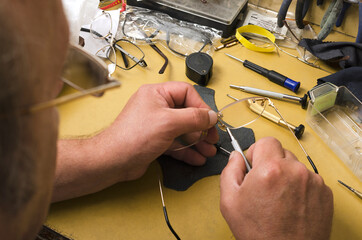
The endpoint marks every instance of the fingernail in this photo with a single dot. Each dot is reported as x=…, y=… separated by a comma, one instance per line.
x=232, y=155
x=212, y=118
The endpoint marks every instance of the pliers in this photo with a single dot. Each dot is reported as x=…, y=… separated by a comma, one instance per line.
x=300, y=12
x=359, y=35
x=330, y=18
x=328, y=21
x=346, y=5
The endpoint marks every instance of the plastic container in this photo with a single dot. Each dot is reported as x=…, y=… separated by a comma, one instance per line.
x=335, y=114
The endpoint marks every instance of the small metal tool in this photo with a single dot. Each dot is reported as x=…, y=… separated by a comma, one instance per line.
x=358, y=193
x=272, y=75
x=237, y=147
x=227, y=42
x=303, y=101
x=226, y=45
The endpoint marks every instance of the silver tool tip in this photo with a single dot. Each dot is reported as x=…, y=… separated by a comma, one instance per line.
x=237, y=87
x=234, y=57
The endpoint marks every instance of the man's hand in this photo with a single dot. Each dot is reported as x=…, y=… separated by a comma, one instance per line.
x=153, y=117
x=278, y=199
x=145, y=129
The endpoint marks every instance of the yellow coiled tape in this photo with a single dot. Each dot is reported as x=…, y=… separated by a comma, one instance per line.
x=256, y=30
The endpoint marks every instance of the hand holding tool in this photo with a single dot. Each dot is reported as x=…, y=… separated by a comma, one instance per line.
x=270, y=74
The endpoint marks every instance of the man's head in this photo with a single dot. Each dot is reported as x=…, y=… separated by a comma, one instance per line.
x=33, y=45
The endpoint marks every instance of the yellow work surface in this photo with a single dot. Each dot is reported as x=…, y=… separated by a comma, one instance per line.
x=133, y=210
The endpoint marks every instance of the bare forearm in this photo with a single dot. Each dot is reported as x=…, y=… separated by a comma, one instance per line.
x=82, y=168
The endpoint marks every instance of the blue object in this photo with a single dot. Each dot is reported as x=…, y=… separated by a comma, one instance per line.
x=291, y=85
x=346, y=5
x=359, y=35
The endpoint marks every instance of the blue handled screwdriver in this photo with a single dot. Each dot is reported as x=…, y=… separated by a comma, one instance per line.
x=270, y=74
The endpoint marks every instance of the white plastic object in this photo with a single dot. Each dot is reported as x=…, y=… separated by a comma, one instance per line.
x=78, y=13
x=335, y=114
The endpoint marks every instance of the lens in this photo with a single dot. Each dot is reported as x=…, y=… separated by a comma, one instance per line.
x=109, y=53
x=242, y=112
x=131, y=54
x=140, y=26
x=101, y=26
x=183, y=41
x=188, y=140
x=83, y=71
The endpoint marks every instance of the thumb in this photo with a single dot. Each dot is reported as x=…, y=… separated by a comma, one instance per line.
x=230, y=180
x=233, y=174
x=186, y=120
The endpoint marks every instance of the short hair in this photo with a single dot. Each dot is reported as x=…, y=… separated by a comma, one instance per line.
x=17, y=165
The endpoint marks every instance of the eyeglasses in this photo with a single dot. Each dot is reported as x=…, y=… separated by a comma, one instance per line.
x=132, y=55
x=145, y=25
x=83, y=72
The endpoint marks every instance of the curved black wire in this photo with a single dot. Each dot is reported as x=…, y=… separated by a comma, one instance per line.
x=169, y=224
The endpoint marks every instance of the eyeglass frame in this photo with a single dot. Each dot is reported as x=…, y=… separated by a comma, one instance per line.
x=110, y=84
x=124, y=53
x=109, y=37
x=154, y=34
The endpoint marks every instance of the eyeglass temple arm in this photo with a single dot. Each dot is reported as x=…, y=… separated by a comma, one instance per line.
x=163, y=68
x=147, y=39
x=68, y=98
x=300, y=144
x=165, y=212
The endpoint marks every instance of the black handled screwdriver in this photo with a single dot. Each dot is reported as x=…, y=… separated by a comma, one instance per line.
x=270, y=74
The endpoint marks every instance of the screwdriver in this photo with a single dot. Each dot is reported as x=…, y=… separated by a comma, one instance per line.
x=359, y=194
x=270, y=74
x=303, y=101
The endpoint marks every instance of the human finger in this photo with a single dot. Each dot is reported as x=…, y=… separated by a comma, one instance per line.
x=206, y=149
x=265, y=149
x=189, y=156
x=289, y=155
x=181, y=94
x=212, y=136
x=186, y=120
x=233, y=174
x=230, y=181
